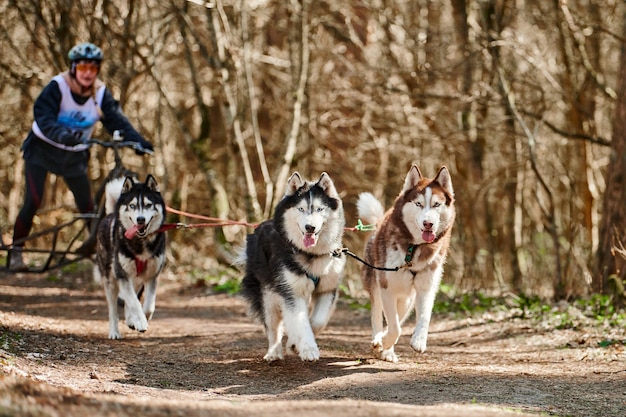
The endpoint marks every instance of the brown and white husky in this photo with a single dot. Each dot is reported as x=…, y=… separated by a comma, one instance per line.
x=411, y=243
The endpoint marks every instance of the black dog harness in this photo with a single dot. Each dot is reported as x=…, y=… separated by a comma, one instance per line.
x=316, y=280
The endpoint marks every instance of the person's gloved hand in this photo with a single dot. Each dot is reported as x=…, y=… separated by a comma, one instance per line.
x=69, y=140
x=145, y=145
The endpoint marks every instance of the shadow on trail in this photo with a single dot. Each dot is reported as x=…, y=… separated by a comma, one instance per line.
x=238, y=372
x=526, y=393
x=247, y=377
x=79, y=298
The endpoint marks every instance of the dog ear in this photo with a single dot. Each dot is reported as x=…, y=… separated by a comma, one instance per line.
x=151, y=183
x=412, y=178
x=294, y=183
x=443, y=178
x=326, y=184
x=128, y=184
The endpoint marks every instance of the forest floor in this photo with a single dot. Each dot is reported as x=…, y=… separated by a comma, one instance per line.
x=202, y=356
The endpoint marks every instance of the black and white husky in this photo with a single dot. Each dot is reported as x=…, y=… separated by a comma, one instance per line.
x=294, y=266
x=130, y=251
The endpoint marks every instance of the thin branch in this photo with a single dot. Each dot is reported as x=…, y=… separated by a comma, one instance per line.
x=234, y=122
x=294, y=132
x=579, y=38
x=597, y=140
x=269, y=187
x=618, y=246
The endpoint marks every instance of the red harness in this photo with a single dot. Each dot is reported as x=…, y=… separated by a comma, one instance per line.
x=140, y=265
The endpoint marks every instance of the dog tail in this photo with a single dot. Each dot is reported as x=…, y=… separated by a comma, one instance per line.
x=257, y=270
x=112, y=193
x=369, y=208
x=239, y=258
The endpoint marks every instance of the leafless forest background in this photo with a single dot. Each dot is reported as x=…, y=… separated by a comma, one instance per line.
x=522, y=100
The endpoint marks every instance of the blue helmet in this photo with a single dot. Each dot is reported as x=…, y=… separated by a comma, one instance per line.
x=87, y=51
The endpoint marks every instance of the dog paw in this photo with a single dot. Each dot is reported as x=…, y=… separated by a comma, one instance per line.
x=418, y=343
x=140, y=328
x=309, y=353
x=272, y=356
x=114, y=330
x=377, y=343
x=115, y=335
x=137, y=322
x=388, y=355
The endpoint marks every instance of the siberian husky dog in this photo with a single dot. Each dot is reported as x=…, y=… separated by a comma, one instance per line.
x=409, y=245
x=294, y=265
x=130, y=252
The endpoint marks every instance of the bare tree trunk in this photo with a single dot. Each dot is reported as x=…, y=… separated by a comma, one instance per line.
x=549, y=212
x=496, y=15
x=611, y=268
x=475, y=216
x=580, y=100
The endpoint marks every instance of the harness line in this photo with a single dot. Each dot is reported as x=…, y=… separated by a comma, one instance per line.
x=215, y=222
x=407, y=259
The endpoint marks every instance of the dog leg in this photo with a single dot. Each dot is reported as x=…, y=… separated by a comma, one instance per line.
x=135, y=317
x=111, y=291
x=299, y=331
x=97, y=276
x=376, y=318
x=405, y=304
x=392, y=334
x=149, y=302
x=426, y=287
x=322, y=310
x=274, y=330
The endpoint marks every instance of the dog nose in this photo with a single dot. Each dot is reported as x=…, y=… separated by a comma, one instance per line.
x=309, y=228
x=428, y=225
x=141, y=220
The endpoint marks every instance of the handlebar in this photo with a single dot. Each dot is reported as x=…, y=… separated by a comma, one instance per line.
x=118, y=143
x=121, y=144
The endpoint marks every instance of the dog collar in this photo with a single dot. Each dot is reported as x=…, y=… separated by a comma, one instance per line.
x=335, y=253
x=408, y=258
x=316, y=280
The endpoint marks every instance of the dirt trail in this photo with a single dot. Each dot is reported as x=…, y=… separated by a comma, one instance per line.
x=202, y=356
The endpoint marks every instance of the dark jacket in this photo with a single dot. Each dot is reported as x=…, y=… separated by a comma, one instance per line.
x=59, y=161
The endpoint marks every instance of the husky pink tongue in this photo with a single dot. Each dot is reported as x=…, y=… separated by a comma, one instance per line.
x=130, y=233
x=428, y=236
x=309, y=240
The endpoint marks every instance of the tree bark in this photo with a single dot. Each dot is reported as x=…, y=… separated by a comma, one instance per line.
x=611, y=269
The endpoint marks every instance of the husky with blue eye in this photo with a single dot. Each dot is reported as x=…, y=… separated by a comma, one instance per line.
x=294, y=265
x=411, y=243
x=130, y=251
